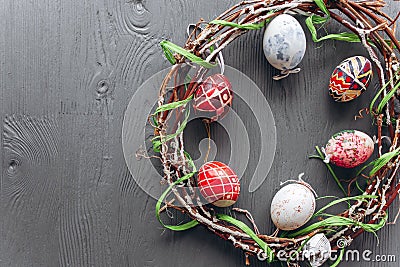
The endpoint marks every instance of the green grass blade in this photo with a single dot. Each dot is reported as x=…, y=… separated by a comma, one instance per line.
x=173, y=105
x=250, y=232
x=321, y=156
x=335, y=202
x=168, y=47
x=387, y=97
x=371, y=106
x=339, y=259
x=383, y=160
x=248, y=26
x=184, y=226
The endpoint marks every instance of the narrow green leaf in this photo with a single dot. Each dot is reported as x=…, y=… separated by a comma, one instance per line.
x=190, y=160
x=168, y=46
x=387, y=97
x=169, y=55
x=312, y=20
x=247, y=230
x=248, y=26
x=344, y=36
x=321, y=156
x=321, y=5
x=182, y=227
x=383, y=160
x=173, y=105
x=212, y=49
x=156, y=145
x=178, y=131
x=359, y=187
x=155, y=122
x=339, y=259
x=335, y=202
x=371, y=106
x=338, y=221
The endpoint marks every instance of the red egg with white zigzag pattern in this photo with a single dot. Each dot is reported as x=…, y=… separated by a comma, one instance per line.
x=350, y=79
x=214, y=96
x=218, y=184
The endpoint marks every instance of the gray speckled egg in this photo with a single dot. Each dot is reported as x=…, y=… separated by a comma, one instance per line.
x=284, y=42
x=292, y=206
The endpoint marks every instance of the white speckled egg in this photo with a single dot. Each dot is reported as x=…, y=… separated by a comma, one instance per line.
x=292, y=206
x=349, y=148
x=284, y=42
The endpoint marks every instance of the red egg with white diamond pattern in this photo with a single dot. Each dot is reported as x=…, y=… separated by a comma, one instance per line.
x=349, y=148
x=214, y=96
x=218, y=184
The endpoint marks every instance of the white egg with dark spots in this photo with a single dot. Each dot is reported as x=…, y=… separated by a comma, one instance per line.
x=284, y=42
x=292, y=206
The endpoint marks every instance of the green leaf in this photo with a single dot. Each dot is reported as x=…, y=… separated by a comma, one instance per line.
x=359, y=187
x=321, y=156
x=248, y=26
x=339, y=259
x=250, y=232
x=178, y=131
x=190, y=160
x=168, y=47
x=371, y=106
x=173, y=105
x=387, y=97
x=312, y=20
x=156, y=145
x=335, y=202
x=338, y=221
x=169, y=56
x=321, y=5
x=383, y=160
x=182, y=227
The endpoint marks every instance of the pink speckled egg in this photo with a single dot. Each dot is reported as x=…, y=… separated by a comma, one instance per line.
x=292, y=206
x=349, y=148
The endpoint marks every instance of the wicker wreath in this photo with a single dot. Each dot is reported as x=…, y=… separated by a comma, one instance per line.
x=368, y=25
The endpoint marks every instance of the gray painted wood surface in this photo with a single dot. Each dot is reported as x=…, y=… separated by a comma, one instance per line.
x=68, y=70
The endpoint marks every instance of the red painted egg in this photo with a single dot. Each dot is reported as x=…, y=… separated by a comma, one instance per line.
x=218, y=184
x=350, y=79
x=214, y=96
x=349, y=148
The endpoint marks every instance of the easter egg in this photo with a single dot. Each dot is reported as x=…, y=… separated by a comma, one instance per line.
x=292, y=206
x=218, y=184
x=349, y=148
x=317, y=250
x=284, y=42
x=214, y=96
x=350, y=79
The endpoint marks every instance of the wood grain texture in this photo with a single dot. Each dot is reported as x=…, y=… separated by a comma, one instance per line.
x=68, y=71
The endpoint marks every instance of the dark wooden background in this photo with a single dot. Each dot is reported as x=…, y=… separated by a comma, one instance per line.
x=68, y=70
